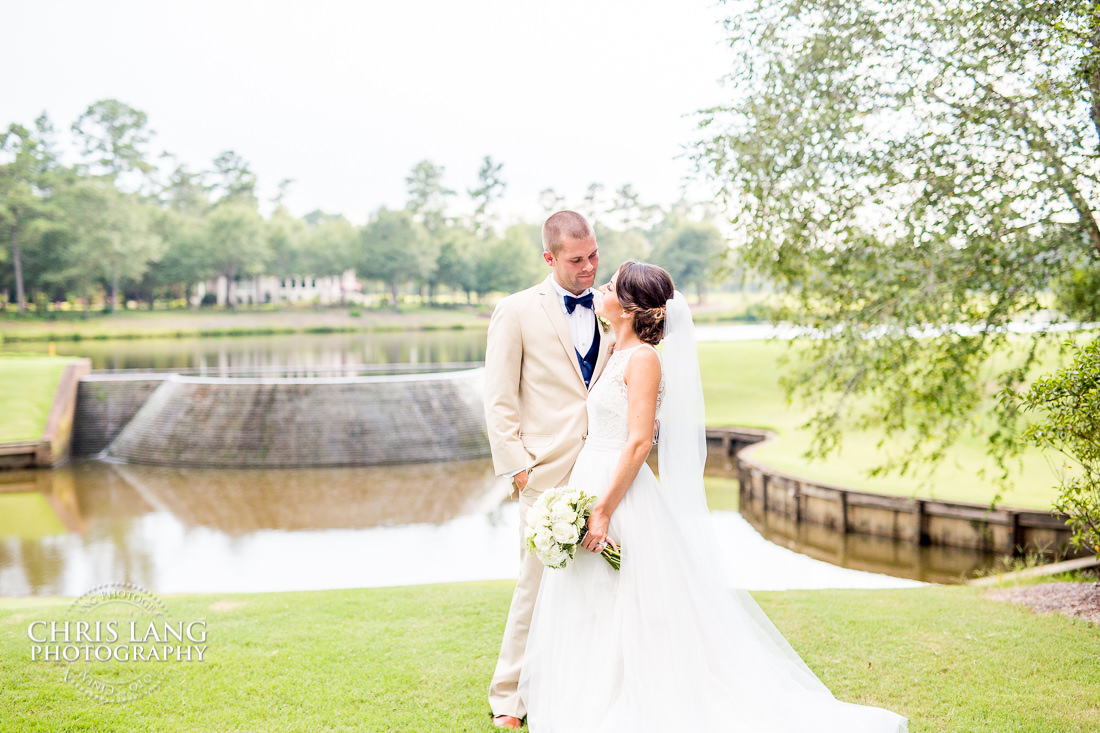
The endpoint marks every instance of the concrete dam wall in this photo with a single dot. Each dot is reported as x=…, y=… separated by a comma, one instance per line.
x=174, y=420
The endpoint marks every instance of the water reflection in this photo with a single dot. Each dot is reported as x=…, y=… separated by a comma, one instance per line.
x=873, y=554
x=208, y=530
x=179, y=530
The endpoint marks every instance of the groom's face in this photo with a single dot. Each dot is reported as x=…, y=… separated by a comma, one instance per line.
x=575, y=266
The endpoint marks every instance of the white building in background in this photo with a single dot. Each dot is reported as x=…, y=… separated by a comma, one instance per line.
x=299, y=289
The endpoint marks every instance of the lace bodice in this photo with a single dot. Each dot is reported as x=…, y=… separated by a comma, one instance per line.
x=607, y=402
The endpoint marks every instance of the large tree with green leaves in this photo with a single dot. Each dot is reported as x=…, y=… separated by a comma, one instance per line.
x=913, y=177
x=113, y=235
x=509, y=263
x=233, y=243
x=456, y=264
x=24, y=188
x=395, y=249
x=114, y=139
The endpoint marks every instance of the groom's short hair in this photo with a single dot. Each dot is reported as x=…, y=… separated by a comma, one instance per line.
x=562, y=225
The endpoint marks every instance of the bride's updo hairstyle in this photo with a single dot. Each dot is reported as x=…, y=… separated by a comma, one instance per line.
x=643, y=290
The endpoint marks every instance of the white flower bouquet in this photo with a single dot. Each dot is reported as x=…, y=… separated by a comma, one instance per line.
x=556, y=527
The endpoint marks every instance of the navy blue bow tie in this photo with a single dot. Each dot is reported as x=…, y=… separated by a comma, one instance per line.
x=571, y=303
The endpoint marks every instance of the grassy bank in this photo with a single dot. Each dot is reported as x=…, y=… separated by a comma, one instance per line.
x=137, y=324
x=740, y=386
x=403, y=659
x=27, y=388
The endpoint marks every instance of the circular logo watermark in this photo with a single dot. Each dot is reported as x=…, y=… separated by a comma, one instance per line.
x=116, y=642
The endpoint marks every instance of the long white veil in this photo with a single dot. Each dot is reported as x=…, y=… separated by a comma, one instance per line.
x=681, y=456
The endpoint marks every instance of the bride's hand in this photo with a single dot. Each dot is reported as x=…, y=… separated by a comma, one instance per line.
x=596, y=539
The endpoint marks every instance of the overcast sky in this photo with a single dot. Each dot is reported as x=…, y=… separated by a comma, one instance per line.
x=345, y=97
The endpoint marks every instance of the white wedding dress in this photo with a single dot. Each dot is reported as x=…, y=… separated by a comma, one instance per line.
x=663, y=644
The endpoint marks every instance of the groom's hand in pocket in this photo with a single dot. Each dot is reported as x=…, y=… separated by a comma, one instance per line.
x=520, y=481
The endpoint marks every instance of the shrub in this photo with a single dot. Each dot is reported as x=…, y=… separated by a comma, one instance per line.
x=1070, y=400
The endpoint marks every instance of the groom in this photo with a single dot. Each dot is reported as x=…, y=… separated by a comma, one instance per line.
x=543, y=354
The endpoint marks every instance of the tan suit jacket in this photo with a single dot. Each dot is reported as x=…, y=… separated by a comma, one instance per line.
x=534, y=392
x=537, y=420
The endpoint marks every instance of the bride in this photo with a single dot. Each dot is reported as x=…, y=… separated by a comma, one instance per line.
x=662, y=644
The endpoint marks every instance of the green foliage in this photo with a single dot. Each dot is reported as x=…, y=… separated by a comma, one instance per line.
x=511, y=263
x=112, y=239
x=23, y=184
x=287, y=244
x=1069, y=400
x=114, y=137
x=691, y=252
x=394, y=248
x=115, y=224
x=234, y=180
x=616, y=247
x=233, y=242
x=1078, y=291
x=456, y=266
x=912, y=177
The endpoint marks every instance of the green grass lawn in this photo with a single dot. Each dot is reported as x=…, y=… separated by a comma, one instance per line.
x=27, y=388
x=741, y=388
x=420, y=658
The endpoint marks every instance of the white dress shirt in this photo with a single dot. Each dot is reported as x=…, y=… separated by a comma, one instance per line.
x=582, y=321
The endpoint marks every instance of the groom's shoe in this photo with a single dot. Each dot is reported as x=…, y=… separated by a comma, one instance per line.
x=508, y=722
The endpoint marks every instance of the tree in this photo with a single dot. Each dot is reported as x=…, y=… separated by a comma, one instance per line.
x=550, y=201
x=427, y=195
x=395, y=249
x=22, y=190
x=593, y=206
x=287, y=243
x=183, y=263
x=283, y=190
x=113, y=137
x=331, y=247
x=112, y=234
x=233, y=179
x=627, y=206
x=692, y=253
x=510, y=263
x=456, y=265
x=233, y=243
x=1069, y=403
x=616, y=247
x=490, y=188
x=185, y=192
x=898, y=169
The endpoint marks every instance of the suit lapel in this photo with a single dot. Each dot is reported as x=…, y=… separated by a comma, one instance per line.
x=552, y=307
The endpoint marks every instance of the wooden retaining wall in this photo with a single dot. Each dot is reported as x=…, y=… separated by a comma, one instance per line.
x=769, y=493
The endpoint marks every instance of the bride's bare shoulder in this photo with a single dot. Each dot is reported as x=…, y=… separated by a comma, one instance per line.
x=643, y=364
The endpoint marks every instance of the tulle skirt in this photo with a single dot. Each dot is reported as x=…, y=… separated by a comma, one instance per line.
x=664, y=644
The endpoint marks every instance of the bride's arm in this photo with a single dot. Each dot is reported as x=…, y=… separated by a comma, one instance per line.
x=642, y=378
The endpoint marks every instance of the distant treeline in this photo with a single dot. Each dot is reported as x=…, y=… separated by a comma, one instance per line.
x=114, y=227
